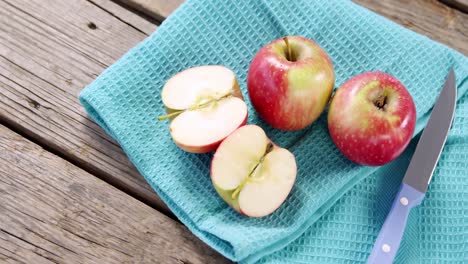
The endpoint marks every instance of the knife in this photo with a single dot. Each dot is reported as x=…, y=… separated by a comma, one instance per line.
x=418, y=175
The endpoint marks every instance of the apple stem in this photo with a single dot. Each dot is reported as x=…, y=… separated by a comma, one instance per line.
x=289, y=52
x=170, y=115
x=195, y=107
x=381, y=102
x=250, y=177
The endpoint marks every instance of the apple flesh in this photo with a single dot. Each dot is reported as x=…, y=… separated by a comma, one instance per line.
x=371, y=118
x=251, y=173
x=290, y=82
x=205, y=105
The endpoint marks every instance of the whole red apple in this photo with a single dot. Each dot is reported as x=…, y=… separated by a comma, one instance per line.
x=290, y=82
x=371, y=118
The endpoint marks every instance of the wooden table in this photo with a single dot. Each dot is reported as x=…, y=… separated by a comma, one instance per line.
x=68, y=193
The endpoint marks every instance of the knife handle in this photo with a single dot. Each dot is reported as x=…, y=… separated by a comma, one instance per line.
x=388, y=241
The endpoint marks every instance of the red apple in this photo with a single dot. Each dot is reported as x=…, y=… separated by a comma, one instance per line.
x=252, y=174
x=290, y=82
x=371, y=118
x=205, y=105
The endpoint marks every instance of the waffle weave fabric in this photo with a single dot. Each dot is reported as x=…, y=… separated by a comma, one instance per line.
x=336, y=208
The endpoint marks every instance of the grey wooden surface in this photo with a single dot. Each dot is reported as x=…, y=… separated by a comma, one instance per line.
x=47, y=56
x=431, y=18
x=52, y=211
x=64, y=174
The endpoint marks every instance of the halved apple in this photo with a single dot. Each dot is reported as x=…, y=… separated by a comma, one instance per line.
x=205, y=105
x=252, y=174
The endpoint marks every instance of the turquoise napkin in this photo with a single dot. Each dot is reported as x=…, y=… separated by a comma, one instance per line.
x=336, y=208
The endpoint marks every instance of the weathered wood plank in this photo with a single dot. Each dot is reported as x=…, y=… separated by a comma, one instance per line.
x=428, y=17
x=53, y=212
x=461, y=5
x=159, y=9
x=47, y=56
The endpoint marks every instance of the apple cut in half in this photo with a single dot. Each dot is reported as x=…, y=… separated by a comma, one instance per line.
x=252, y=174
x=205, y=105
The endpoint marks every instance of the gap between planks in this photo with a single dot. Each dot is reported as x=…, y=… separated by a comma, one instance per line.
x=132, y=18
x=156, y=9
x=461, y=5
x=54, y=212
x=47, y=55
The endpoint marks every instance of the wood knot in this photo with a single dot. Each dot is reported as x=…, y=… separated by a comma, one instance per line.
x=34, y=103
x=92, y=26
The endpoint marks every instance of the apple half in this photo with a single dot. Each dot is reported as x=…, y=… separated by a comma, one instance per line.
x=252, y=174
x=205, y=105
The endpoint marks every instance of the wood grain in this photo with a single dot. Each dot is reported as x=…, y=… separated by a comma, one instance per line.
x=53, y=212
x=428, y=17
x=47, y=56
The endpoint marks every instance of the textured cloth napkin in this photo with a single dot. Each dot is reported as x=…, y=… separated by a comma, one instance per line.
x=336, y=208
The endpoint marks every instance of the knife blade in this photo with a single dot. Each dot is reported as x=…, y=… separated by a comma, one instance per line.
x=418, y=175
x=430, y=145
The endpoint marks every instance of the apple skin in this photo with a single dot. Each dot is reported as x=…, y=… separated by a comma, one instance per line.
x=290, y=95
x=364, y=132
x=226, y=196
